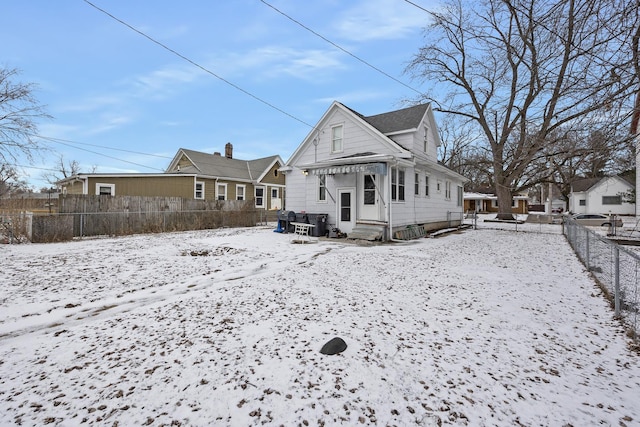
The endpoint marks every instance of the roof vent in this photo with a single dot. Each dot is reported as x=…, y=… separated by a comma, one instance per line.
x=217, y=153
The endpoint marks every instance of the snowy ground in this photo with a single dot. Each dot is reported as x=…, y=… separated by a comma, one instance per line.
x=224, y=327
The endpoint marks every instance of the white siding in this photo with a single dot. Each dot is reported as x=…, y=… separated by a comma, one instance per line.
x=611, y=186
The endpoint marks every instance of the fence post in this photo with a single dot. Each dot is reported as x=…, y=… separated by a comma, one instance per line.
x=616, y=279
x=586, y=251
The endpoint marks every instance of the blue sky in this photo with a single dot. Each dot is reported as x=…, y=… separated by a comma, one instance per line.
x=122, y=103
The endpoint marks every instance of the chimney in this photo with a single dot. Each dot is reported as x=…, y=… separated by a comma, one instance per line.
x=216, y=153
x=228, y=151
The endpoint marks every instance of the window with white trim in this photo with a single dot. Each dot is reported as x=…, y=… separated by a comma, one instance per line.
x=416, y=184
x=460, y=195
x=397, y=184
x=199, y=193
x=336, y=139
x=105, y=189
x=611, y=200
x=447, y=190
x=221, y=191
x=426, y=138
x=259, y=197
x=240, y=191
x=322, y=188
x=426, y=185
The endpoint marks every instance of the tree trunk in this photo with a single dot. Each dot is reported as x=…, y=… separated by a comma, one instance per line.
x=504, y=202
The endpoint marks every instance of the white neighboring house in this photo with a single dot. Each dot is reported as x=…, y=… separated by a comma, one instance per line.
x=601, y=196
x=374, y=174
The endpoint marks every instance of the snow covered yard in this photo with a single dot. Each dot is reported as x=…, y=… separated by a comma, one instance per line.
x=224, y=327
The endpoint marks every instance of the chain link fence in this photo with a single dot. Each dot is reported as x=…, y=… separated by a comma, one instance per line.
x=615, y=268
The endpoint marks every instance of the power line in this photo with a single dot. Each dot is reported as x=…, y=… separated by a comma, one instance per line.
x=61, y=141
x=198, y=65
x=341, y=48
x=417, y=5
x=110, y=157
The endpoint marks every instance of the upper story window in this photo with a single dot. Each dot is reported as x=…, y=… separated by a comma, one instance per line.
x=425, y=141
x=199, y=194
x=336, y=139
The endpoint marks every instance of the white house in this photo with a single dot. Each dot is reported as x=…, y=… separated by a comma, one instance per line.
x=374, y=176
x=601, y=196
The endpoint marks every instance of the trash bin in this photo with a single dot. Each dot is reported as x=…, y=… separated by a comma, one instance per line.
x=285, y=218
x=319, y=221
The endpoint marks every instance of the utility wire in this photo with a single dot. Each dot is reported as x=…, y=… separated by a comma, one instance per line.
x=62, y=141
x=198, y=65
x=340, y=47
x=110, y=157
x=417, y=5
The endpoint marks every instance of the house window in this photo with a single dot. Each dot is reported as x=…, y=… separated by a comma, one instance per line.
x=240, y=190
x=259, y=197
x=274, y=193
x=369, y=190
x=105, y=189
x=336, y=139
x=582, y=202
x=447, y=190
x=460, y=195
x=199, y=194
x=426, y=185
x=514, y=203
x=438, y=185
x=322, y=188
x=426, y=138
x=611, y=200
x=416, y=185
x=222, y=192
x=397, y=185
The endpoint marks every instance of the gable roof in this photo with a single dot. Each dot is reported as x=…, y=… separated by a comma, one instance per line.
x=587, y=183
x=399, y=120
x=220, y=166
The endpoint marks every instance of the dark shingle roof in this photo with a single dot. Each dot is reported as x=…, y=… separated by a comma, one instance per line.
x=218, y=165
x=584, y=184
x=399, y=120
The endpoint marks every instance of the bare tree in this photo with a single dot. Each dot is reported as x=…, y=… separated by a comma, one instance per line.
x=19, y=112
x=521, y=70
x=462, y=151
x=10, y=181
x=63, y=169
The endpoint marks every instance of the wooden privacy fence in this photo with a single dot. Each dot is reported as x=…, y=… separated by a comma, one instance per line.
x=81, y=216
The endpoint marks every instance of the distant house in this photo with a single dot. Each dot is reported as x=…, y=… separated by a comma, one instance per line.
x=374, y=175
x=601, y=196
x=193, y=175
x=485, y=201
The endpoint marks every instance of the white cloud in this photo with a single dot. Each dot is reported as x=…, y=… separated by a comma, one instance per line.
x=380, y=19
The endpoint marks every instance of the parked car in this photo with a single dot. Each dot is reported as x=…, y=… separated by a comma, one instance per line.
x=596, y=220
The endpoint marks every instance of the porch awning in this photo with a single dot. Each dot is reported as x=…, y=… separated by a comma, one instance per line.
x=370, y=168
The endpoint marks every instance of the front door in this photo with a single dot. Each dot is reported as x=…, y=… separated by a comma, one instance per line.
x=276, y=202
x=346, y=210
x=370, y=198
